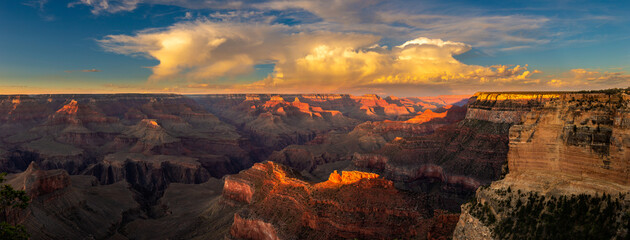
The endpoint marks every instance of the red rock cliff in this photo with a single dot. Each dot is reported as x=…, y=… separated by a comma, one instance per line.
x=349, y=205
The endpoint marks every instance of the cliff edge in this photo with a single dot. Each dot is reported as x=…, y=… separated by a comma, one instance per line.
x=569, y=168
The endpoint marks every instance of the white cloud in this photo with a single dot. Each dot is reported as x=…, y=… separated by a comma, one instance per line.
x=115, y=6
x=341, y=11
x=480, y=31
x=111, y=6
x=373, y=16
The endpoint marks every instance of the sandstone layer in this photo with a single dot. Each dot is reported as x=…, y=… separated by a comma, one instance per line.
x=568, y=163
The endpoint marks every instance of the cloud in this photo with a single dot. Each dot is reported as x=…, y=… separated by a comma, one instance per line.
x=480, y=31
x=341, y=11
x=39, y=5
x=110, y=6
x=331, y=10
x=116, y=6
x=199, y=49
x=485, y=29
x=492, y=28
x=85, y=70
x=577, y=79
x=204, y=52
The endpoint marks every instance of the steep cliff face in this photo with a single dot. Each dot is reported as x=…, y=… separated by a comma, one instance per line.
x=148, y=177
x=506, y=107
x=276, y=204
x=568, y=158
x=580, y=135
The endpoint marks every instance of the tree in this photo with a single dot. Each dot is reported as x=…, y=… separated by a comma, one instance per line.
x=10, y=200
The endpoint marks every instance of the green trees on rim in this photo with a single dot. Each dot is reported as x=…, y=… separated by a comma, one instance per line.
x=11, y=200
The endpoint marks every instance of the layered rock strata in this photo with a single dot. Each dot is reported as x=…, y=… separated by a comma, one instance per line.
x=276, y=204
x=568, y=163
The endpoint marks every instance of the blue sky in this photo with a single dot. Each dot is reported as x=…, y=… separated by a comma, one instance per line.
x=386, y=47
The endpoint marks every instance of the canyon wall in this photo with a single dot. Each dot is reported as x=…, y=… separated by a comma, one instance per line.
x=569, y=158
x=586, y=136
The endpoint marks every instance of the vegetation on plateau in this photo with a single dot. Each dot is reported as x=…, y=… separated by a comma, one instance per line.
x=10, y=201
x=532, y=216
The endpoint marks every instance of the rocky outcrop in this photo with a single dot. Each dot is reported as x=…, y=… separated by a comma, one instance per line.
x=581, y=135
x=568, y=163
x=238, y=189
x=76, y=207
x=373, y=105
x=36, y=182
x=278, y=204
x=506, y=107
x=470, y=228
x=244, y=228
x=426, y=116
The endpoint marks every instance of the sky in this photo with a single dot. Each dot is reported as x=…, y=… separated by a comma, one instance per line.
x=387, y=47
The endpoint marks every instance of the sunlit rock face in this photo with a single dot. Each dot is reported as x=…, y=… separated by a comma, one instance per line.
x=245, y=228
x=426, y=116
x=505, y=107
x=580, y=135
x=568, y=148
x=279, y=205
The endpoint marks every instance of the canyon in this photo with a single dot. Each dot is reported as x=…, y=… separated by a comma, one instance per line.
x=314, y=166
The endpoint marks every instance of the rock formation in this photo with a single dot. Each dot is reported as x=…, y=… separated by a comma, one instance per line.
x=276, y=121
x=64, y=206
x=38, y=182
x=149, y=152
x=568, y=158
x=275, y=203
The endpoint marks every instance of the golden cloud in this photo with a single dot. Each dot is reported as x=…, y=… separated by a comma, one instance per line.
x=202, y=51
x=579, y=78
